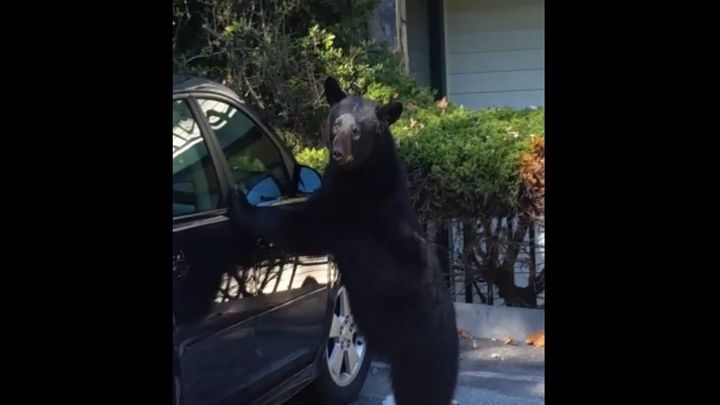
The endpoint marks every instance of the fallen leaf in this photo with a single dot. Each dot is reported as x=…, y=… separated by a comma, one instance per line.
x=540, y=342
x=463, y=334
x=443, y=104
x=506, y=340
x=536, y=339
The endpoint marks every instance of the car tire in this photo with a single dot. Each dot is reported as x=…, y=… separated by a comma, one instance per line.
x=346, y=358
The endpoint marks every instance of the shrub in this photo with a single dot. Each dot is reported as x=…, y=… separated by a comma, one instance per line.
x=462, y=163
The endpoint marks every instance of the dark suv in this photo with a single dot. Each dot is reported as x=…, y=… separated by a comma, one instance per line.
x=251, y=323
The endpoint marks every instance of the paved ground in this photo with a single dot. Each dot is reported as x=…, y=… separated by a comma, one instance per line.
x=490, y=374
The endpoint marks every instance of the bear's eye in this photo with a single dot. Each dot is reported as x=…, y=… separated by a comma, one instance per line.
x=356, y=133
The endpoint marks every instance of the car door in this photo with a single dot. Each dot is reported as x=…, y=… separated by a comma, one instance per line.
x=294, y=289
x=214, y=334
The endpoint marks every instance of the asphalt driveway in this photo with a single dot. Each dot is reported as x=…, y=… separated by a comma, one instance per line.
x=491, y=373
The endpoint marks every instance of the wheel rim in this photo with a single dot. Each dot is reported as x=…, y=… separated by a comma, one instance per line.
x=346, y=347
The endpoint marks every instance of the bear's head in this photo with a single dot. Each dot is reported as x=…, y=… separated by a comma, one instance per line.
x=355, y=125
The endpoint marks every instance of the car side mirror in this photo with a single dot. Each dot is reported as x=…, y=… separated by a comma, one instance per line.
x=265, y=190
x=308, y=180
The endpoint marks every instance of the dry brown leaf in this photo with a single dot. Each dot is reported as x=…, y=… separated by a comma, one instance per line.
x=536, y=339
x=506, y=340
x=532, y=172
x=540, y=342
x=443, y=103
x=463, y=334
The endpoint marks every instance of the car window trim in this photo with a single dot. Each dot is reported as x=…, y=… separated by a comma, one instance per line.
x=288, y=159
x=216, y=162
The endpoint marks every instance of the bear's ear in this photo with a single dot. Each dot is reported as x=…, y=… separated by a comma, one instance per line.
x=333, y=92
x=389, y=112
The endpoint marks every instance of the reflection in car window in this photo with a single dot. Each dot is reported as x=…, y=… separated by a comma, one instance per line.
x=254, y=160
x=195, y=183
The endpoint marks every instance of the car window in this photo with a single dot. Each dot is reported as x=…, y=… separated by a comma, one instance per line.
x=195, y=183
x=255, y=161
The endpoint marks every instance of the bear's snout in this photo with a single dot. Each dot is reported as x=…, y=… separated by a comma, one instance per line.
x=339, y=151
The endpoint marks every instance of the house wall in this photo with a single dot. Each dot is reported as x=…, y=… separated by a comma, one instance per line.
x=417, y=40
x=495, y=52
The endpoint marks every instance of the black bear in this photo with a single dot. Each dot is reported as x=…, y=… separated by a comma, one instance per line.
x=362, y=215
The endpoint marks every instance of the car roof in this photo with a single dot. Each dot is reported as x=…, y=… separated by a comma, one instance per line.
x=184, y=83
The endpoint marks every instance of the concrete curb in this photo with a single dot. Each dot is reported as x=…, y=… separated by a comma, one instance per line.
x=487, y=321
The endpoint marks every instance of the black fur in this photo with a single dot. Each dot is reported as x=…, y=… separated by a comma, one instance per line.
x=363, y=217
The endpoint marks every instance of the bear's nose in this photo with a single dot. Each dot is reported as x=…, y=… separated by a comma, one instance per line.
x=338, y=149
x=337, y=155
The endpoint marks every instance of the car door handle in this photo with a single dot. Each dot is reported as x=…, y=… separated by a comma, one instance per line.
x=179, y=266
x=178, y=257
x=264, y=243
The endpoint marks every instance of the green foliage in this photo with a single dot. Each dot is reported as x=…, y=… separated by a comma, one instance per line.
x=317, y=158
x=244, y=163
x=462, y=163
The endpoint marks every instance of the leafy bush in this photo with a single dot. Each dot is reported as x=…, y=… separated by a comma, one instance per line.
x=317, y=158
x=464, y=163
